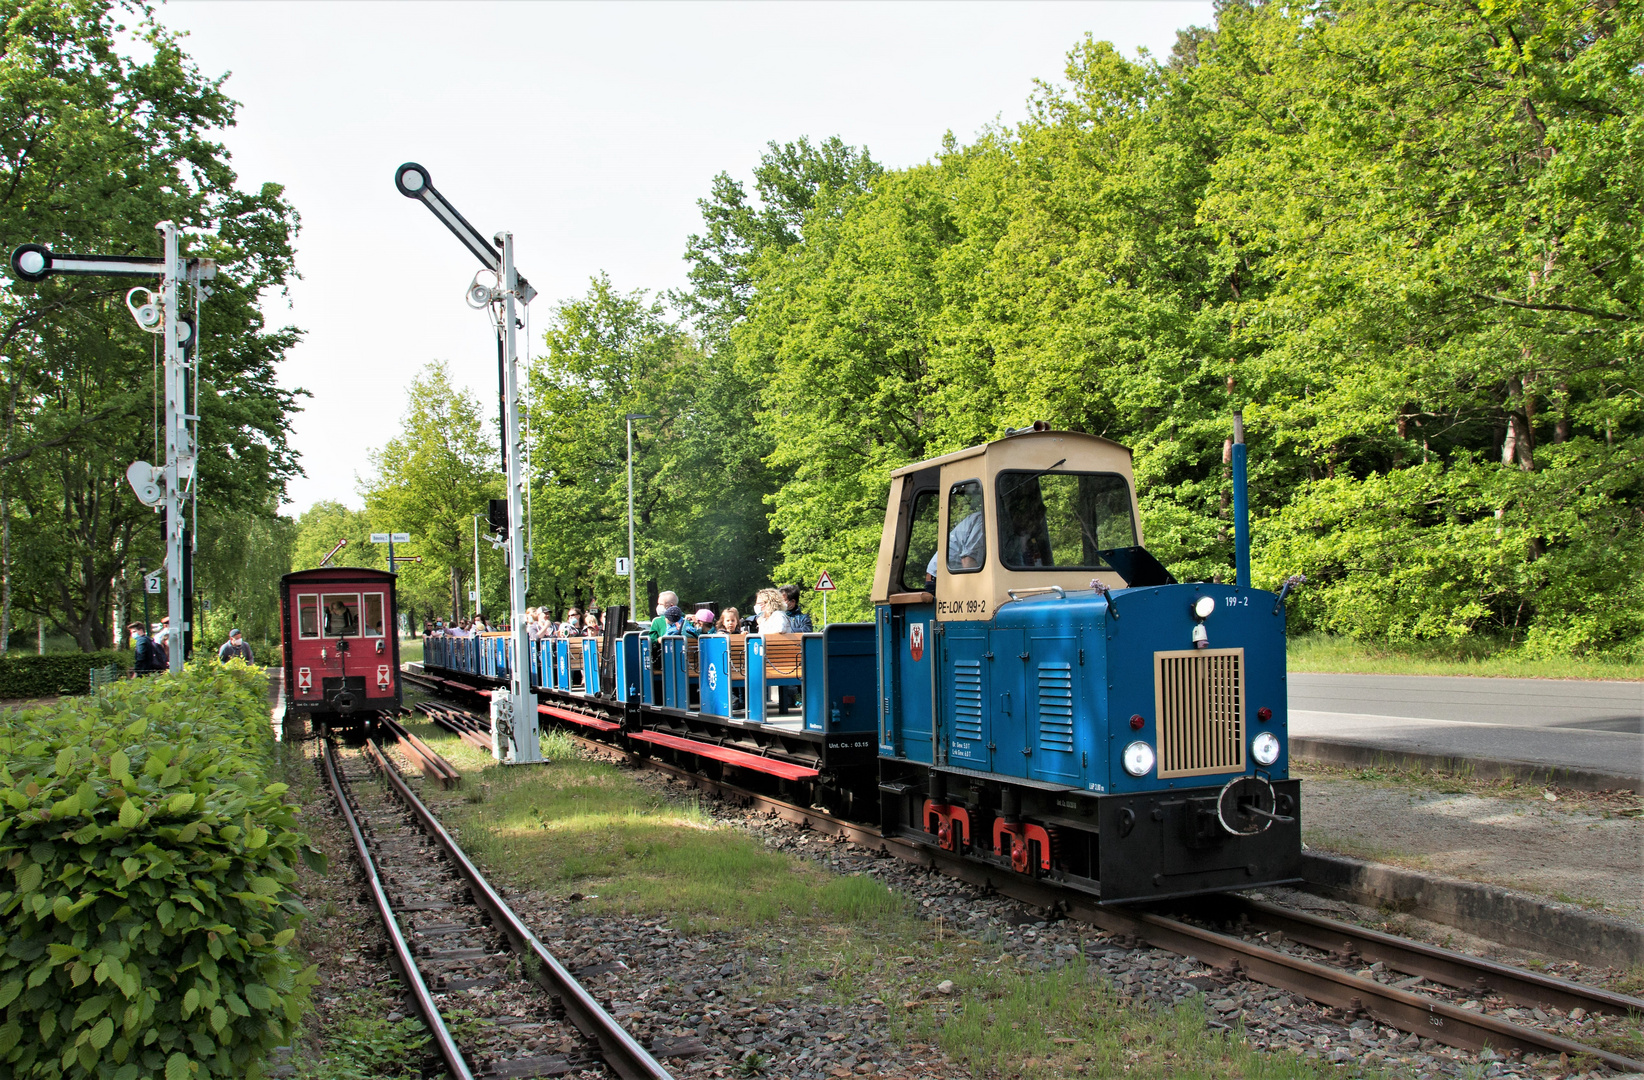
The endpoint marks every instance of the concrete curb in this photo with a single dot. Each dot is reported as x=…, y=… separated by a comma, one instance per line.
x=1335, y=752
x=1488, y=911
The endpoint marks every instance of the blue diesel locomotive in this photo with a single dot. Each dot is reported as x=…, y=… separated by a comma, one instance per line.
x=1036, y=691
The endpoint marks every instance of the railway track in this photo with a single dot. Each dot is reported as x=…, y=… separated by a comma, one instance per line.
x=1337, y=964
x=475, y=971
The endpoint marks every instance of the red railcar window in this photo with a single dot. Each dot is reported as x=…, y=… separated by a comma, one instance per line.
x=308, y=616
x=342, y=615
x=373, y=615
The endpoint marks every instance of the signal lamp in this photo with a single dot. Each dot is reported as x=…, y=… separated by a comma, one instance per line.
x=1136, y=722
x=1264, y=714
x=1265, y=748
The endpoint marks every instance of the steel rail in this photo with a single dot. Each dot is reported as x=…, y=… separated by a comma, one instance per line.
x=1397, y=1008
x=1431, y=962
x=401, y=951
x=622, y=1052
x=433, y=766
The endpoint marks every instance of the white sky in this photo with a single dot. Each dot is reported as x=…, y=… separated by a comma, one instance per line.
x=590, y=130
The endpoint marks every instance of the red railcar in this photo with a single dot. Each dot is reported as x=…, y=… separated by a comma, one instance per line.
x=342, y=653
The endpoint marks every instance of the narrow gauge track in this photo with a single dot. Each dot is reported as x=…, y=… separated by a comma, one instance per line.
x=1303, y=953
x=421, y=904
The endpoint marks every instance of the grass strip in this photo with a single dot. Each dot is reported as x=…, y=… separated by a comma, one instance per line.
x=575, y=826
x=1475, y=656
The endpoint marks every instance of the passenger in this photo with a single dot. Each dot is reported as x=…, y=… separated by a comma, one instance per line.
x=674, y=620
x=480, y=626
x=162, y=641
x=966, y=541
x=339, y=620
x=146, y=655
x=572, y=626
x=235, y=648
x=704, y=621
x=773, y=612
x=730, y=621
x=798, y=621
x=590, y=625
x=659, y=625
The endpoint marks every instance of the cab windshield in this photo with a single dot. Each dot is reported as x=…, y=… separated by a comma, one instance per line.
x=1062, y=520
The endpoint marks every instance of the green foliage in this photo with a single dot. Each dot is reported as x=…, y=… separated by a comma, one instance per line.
x=147, y=900
x=238, y=567
x=699, y=482
x=326, y=522
x=106, y=128
x=26, y=676
x=360, y=1043
x=1389, y=233
x=430, y=481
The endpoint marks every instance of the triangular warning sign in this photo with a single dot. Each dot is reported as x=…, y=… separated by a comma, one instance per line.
x=824, y=583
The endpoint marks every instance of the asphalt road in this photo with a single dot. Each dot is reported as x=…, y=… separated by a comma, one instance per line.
x=1569, y=723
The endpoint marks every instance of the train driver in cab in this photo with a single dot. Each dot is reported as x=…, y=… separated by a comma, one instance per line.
x=966, y=540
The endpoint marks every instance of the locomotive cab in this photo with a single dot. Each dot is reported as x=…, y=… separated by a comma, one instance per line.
x=1050, y=697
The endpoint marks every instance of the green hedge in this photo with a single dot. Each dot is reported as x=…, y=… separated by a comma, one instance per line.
x=31, y=676
x=148, y=873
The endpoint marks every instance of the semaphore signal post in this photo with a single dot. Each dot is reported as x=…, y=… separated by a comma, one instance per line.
x=514, y=734
x=165, y=487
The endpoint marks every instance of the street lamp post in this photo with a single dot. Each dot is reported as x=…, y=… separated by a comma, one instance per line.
x=633, y=598
x=476, y=566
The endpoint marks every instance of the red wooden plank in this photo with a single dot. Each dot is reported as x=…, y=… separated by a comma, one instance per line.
x=741, y=759
x=577, y=718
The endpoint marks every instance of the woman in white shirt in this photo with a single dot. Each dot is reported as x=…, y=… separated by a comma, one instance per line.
x=773, y=612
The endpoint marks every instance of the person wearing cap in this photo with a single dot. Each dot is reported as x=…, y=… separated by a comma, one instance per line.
x=678, y=626
x=235, y=648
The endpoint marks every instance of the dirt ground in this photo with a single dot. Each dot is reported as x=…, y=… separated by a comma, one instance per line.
x=11, y=705
x=1583, y=848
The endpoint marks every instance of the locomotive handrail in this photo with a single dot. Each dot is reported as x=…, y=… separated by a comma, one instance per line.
x=1061, y=593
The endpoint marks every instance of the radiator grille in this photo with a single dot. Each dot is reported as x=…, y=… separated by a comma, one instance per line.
x=967, y=699
x=1056, y=707
x=1200, y=699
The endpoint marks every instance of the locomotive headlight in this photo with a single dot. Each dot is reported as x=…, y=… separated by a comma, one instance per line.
x=1138, y=759
x=1264, y=748
x=1203, y=606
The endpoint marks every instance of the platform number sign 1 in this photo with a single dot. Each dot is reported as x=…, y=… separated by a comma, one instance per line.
x=622, y=566
x=824, y=585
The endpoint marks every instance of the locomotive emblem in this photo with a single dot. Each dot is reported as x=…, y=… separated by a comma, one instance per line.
x=382, y=676
x=305, y=679
x=713, y=677
x=916, y=641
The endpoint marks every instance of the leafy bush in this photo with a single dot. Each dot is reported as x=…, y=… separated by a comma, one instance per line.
x=147, y=899
x=30, y=676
